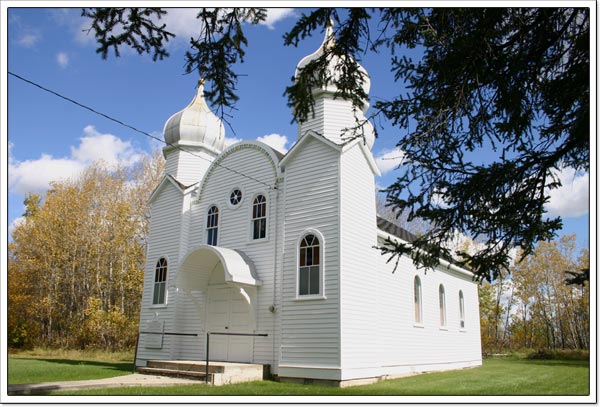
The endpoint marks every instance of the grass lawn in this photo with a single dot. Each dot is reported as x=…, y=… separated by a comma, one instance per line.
x=509, y=376
x=53, y=366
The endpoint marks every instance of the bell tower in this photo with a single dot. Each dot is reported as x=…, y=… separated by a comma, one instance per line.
x=194, y=137
x=331, y=115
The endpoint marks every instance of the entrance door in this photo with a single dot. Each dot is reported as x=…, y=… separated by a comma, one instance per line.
x=228, y=311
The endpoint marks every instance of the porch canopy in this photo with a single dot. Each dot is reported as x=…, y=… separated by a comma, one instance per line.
x=197, y=266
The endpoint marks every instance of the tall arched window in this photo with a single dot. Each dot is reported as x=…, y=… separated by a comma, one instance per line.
x=160, y=281
x=418, y=301
x=461, y=308
x=212, y=225
x=259, y=217
x=309, y=270
x=442, y=295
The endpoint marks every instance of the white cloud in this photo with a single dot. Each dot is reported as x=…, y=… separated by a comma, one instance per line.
x=179, y=21
x=277, y=141
x=62, y=59
x=28, y=40
x=437, y=199
x=572, y=199
x=156, y=143
x=182, y=22
x=36, y=175
x=275, y=15
x=16, y=222
x=96, y=146
x=388, y=160
x=231, y=140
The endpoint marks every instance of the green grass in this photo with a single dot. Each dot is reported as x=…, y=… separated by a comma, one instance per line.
x=507, y=376
x=53, y=366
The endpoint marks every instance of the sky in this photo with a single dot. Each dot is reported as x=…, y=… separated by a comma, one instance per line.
x=49, y=138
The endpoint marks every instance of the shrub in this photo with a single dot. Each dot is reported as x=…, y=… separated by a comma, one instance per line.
x=561, y=354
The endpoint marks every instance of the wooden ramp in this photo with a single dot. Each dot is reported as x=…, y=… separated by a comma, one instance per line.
x=219, y=373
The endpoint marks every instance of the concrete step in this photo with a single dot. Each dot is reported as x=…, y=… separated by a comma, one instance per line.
x=219, y=372
x=186, y=366
x=189, y=374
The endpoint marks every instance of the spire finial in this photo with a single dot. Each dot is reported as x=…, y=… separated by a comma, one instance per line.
x=329, y=39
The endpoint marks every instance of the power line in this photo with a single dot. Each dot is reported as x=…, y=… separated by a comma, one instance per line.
x=136, y=129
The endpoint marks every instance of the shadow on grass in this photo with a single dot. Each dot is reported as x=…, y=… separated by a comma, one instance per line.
x=558, y=362
x=118, y=366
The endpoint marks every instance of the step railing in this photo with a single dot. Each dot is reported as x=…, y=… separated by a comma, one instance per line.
x=208, y=334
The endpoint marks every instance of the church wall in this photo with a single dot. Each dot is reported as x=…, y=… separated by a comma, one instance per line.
x=234, y=233
x=358, y=275
x=405, y=346
x=188, y=168
x=339, y=116
x=310, y=327
x=163, y=241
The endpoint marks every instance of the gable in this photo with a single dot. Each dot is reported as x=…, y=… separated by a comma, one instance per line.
x=301, y=144
x=240, y=162
x=168, y=180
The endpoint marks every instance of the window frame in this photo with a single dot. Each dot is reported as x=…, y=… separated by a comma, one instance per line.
x=158, y=284
x=321, y=265
x=209, y=226
x=442, y=306
x=418, y=301
x=461, y=310
x=264, y=218
x=239, y=204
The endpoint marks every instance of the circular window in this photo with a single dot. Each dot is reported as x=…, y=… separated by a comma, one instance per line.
x=235, y=197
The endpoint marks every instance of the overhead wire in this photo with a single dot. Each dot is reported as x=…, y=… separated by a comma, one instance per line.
x=137, y=130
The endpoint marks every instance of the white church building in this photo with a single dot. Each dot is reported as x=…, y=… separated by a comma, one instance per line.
x=245, y=239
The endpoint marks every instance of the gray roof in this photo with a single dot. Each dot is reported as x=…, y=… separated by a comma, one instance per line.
x=393, y=229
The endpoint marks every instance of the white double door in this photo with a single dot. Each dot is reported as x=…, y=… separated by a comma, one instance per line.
x=229, y=312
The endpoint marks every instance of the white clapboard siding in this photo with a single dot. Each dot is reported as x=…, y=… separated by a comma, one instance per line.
x=358, y=272
x=189, y=166
x=310, y=328
x=234, y=233
x=331, y=117
x=163, y=241
x=426, y=346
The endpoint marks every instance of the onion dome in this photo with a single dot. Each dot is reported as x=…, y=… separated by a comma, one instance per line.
x=327, y=44
x=196, y=125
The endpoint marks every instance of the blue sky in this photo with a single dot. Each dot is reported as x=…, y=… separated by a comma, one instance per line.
x=49, y=138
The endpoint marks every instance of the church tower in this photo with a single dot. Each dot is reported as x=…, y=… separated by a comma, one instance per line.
x=331, y=116
x=329, y=203
x=194, y=137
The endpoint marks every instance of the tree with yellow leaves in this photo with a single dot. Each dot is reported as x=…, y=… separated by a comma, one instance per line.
x=76, y=262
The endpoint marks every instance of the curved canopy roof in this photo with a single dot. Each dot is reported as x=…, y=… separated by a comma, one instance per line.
x=197, y=266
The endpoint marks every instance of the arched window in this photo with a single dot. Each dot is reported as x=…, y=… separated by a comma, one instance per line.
x=212, y=225
x=461, y=308
x=418, y=301
x=442, y=295
x=160, y=281
x=309, y=271
x=259, y=217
